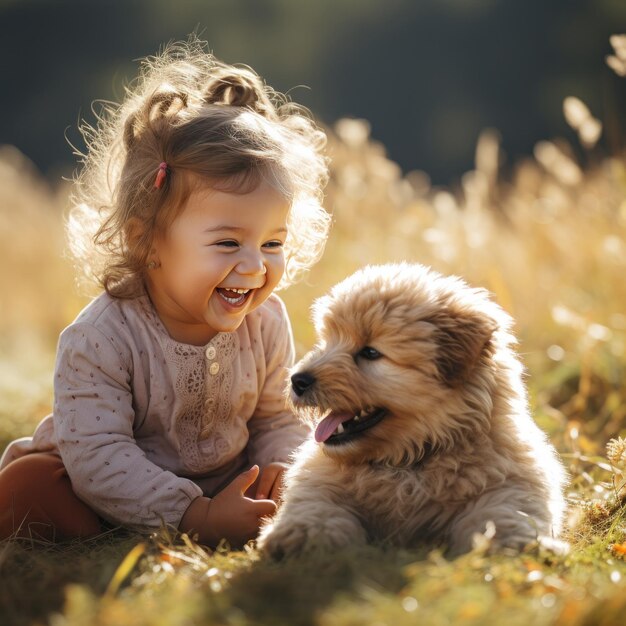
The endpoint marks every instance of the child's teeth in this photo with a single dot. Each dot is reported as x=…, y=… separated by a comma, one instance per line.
x=237, y=300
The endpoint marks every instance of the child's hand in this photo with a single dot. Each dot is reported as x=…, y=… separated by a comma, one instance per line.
x=271, y=482
x=229, y=515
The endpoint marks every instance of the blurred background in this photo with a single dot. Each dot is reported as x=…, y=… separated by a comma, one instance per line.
x=429, y=75
x=482, y=137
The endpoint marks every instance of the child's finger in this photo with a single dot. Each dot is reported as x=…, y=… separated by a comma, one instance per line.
x=276, y=492
x=264, y=507
x=245, y=479
x=266, y=482
x=250, y=492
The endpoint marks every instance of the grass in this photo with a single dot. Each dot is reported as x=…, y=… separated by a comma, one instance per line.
x=171, y=581
x=548, y=239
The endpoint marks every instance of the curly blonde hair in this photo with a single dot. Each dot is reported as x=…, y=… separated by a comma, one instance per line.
x=212, y=123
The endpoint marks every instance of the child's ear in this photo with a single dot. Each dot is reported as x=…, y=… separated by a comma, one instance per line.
x=138, y=240
x=134, y=231
x=140, y=244
x=462, y=337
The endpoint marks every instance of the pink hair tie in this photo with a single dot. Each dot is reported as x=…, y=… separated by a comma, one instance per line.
x=161, y=174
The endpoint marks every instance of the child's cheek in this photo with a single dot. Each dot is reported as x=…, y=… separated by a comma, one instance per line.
x=282, y=263
x=277, y=269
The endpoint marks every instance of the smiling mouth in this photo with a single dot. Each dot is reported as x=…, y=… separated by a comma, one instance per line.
x=341, y=427
x=234, y=297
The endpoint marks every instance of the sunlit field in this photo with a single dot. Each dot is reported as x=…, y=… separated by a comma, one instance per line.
x=547, y=236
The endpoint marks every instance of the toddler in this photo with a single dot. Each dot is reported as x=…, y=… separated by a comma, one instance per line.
x=199, y=196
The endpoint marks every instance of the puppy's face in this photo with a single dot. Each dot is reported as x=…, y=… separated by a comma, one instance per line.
x=397, y=347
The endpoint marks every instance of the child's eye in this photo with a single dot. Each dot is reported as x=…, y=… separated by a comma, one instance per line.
x=228, y=243
x=273, y=244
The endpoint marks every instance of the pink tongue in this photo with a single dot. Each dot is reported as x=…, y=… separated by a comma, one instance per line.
x=329, y=424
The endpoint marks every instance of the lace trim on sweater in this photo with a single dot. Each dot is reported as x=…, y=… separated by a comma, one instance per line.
x=206, y=434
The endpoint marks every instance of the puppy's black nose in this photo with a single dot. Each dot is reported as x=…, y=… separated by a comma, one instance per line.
x=301, y=382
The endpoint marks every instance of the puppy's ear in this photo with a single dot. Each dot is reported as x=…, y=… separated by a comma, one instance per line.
x=462, y=337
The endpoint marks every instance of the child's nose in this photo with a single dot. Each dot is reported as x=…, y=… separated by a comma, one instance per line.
x=251, y=264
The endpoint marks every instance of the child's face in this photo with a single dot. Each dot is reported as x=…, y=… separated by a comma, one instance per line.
x=220, y=242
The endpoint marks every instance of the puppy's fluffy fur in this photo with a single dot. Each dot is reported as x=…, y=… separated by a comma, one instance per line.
x=456, y=447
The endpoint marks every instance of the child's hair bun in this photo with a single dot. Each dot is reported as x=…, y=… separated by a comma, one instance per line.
x=241, y=87
x=164, y=103
x=232, y=86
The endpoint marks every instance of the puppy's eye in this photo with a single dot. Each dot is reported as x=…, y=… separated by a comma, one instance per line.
x=369, y=353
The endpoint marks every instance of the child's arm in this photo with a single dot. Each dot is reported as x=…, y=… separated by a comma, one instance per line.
x=274, y=430
x=93, y=423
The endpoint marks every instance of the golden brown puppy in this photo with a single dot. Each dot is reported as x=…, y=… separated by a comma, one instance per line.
x=424, y=432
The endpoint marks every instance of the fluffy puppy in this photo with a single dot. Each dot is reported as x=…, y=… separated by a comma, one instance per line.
x=423, y=429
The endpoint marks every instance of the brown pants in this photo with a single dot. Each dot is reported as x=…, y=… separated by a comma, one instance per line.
x=37, y=501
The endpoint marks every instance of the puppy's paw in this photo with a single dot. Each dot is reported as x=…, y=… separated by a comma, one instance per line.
x=279, y=541
x=287, y=538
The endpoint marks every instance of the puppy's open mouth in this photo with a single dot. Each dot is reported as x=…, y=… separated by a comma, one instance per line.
x=340, y=427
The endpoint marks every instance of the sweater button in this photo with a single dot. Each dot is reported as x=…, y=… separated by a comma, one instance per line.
x=214, y=369
x=211, y=352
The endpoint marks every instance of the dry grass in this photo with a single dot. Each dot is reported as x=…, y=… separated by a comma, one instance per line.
x=549, y=242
